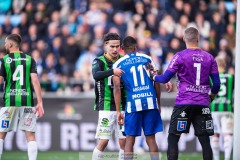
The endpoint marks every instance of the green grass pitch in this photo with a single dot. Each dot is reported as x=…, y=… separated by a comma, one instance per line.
x=87, y=156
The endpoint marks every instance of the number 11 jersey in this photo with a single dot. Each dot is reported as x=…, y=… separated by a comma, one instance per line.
x=16, y=69
x=141, y=94
x=193, y=68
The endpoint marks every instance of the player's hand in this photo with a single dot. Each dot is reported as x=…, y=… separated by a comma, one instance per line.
x=39, y=110
x=120, y=118
x=118, y=72
x=150, y=70
x=168, y=86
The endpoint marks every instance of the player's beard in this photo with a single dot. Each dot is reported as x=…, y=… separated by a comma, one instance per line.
x=7, y=51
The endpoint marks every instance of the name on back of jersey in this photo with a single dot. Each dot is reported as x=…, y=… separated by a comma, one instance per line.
x=17, y=92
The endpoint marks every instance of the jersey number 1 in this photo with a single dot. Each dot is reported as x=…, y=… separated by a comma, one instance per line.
x=18, y=74
x=198, y=66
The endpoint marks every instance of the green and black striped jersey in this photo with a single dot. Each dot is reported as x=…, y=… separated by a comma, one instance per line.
x=104, y=99
x=16, y=68
x=223, y=100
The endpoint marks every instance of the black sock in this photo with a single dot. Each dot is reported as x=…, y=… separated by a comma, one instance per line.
x=172, y=152
x=206, y=147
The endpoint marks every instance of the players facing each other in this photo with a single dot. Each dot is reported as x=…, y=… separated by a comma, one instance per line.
x=193, y=67
x=222, y=113
x=18, y=71
x=104, y=102
x=143, y=102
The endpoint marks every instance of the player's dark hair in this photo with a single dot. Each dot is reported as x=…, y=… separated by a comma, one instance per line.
x=191, y=34
x=129, y=42
x=15, y=38
x=111, y=36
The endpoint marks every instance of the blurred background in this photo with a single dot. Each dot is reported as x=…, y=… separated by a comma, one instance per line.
x=64, y=36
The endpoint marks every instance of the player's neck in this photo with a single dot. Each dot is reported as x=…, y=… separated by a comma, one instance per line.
x=14, y=51
x=111, y=58
x=192, y=46
x=221, y=69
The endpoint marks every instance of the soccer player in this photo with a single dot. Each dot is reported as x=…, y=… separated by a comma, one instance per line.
x=104, y=103
x=143, y=102
x=222, y=112
x=18, y=71
x=193, y=67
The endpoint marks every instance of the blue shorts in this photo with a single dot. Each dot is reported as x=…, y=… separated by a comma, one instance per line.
x=148, y=120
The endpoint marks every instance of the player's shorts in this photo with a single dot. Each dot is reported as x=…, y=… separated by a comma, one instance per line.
x=223, y=122
x=183, y=116
x=148, y=120
x=107, y=123
x=13, y=118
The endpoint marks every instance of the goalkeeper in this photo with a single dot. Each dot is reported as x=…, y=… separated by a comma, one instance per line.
x=193, y=67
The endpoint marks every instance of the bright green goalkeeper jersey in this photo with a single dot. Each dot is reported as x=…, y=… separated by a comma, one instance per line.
x=16, y=68
x=223, y=100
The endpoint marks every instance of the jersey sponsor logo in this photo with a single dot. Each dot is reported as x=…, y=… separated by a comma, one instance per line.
x=209, y=124
x=28, y=110
x=198, y=88
x=18, y=92
x=183, y=114
x=182, y=125
x=104, y=122
x=27, y=121
x=9, y=59
x=135, y=60
x=173, y=61
x=5, y=124
x=206, y=111
x=149, y=94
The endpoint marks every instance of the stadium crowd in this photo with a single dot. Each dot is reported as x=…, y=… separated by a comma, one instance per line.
x=64, y=36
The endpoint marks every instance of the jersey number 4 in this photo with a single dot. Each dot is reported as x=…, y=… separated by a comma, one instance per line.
x=18, y=74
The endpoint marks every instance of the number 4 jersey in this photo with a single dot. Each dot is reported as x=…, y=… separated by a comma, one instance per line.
x=16, y=69
x=193, y=68
x=141, y=94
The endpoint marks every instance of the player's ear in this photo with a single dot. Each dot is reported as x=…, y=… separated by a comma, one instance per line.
x=184, y=39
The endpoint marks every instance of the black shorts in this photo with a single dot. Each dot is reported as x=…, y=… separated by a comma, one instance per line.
x=199, y=116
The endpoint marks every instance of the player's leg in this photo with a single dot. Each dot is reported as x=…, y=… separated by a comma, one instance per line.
x=32, y=145
x=180, y=123
x=8, y=122
x=103, y=133
x=172, y=152
x=203, y=126
x=215, y=137
x=132, y=128
x=122, y=139
x=227, y=130
x=152, y=123
x=28, y=123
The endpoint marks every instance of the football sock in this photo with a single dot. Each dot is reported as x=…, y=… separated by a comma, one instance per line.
x=228, y=145
x=121, y=154
x=206, y=147
x=215, y=148
x=1, y=147
x=32, y=150
x=97, y=154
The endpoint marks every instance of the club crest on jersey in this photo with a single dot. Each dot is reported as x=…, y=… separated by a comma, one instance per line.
x=5, y=124
x=206, y=111
x=183, y=114
x=182, y=125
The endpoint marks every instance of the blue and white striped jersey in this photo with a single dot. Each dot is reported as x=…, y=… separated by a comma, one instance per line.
x=141, y=94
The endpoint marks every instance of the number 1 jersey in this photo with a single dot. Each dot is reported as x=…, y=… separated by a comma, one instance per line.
x=193, y=68
x=141, y=94
x=16, y=69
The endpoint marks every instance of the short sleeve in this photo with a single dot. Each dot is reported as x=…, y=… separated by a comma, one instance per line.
x=175, y=63
x=33, y=68
x=2, y=68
